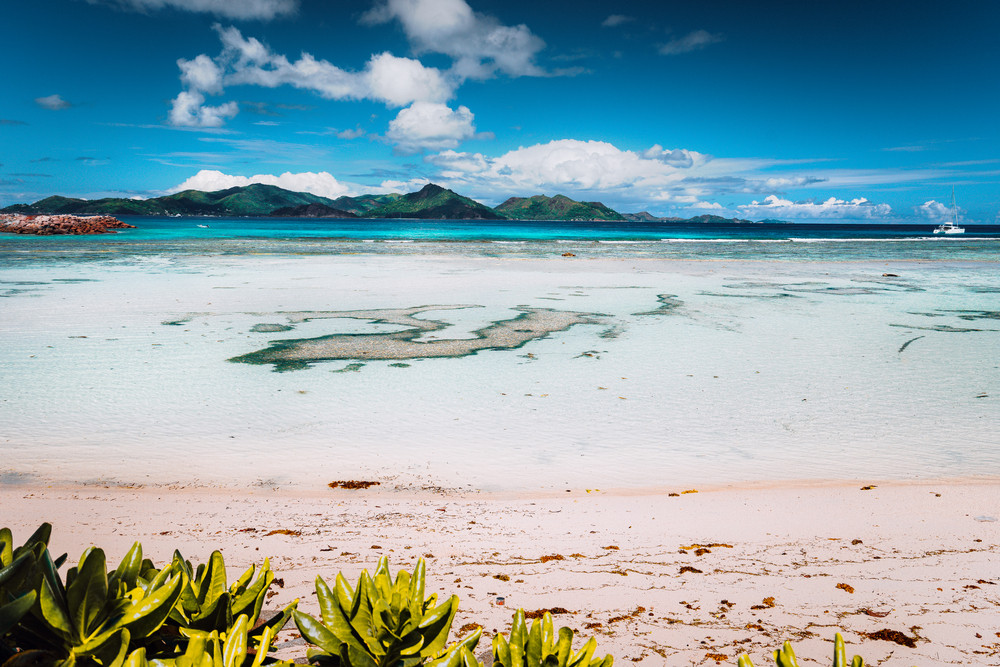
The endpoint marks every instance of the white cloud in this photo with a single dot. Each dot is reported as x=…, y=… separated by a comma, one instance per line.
x=400, y=81
x=247, y=61
x=774, y=206
x=188, y=110
x=934, y=210
x=322, y=183
x=678, y=157
x=479, y=44
x=567, y=164
x=202, y=74
x=351, y=134
x=232, y=9
x=403, y=187
x=692, y=41
x=52, y=102
x=616, y=20
x=430, y=126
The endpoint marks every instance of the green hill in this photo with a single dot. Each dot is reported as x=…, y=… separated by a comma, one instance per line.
x=310, y=211
x=434, y=202
x=251, y=200
x=559, y=207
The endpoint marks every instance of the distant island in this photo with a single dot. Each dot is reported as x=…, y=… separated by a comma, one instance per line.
x=431, y=202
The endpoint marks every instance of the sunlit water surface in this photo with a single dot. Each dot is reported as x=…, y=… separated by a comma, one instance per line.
x=736, y=356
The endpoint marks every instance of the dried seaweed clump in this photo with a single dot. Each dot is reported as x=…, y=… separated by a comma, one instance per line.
x=352, y=484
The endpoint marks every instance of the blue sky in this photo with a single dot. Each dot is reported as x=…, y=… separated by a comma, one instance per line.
x=795, y=110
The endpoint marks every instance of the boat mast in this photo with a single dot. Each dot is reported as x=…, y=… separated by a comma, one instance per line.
x=954, y=207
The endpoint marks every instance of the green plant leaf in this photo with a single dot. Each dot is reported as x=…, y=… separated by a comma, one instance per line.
x=6, y=546
x=87, y=595
x=128, y=570
x=40, y=536
x=234, y=651
x=12, y=612
x=436, y=625
x=212, y=579
x=328, y=602
x=137, y=658
x=317, y=633
x=274, y=624
x=564, y=646
x=54, y=612
x=214, y=616
x=533, y=649
x=109, y=652
x=251, y=599
x=582, y=657
x=144, y=617
x=17, y=569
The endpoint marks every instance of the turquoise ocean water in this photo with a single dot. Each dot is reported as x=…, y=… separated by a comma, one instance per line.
x=767, y=240
x=709, y=354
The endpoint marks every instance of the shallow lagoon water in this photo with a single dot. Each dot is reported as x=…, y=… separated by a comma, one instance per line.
x=698, y=367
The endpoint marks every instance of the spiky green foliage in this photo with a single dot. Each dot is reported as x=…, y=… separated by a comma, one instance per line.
x=785, y=656
x=384, y=622
x=539, y=646
x=214, y=649
x=95, y=618
x=209, y=604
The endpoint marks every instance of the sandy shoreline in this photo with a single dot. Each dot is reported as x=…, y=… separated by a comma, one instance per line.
x=920, y=557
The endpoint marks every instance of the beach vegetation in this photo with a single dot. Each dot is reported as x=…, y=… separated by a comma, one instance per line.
x=382, y=622
x=541, y=646
x=191, y=616
x=135, y=613
x=785, y=656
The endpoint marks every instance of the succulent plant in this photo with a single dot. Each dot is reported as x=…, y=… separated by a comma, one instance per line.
x=785, y=656
x=383, y=622
x=207, y=604
x=93, y=617
x=539, y=646
x=213, y=649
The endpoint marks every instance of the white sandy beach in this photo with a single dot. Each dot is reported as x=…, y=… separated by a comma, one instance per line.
x=917, y=558
x=732, y=378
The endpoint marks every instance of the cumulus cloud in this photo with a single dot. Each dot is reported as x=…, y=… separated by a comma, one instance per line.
x=571, y=164
x=774, y=206
x=201, y=74
x=322, y=183
x=52, y=102
x=934, y=210
x=479, y=43
x=263, y=10
x=693, y=41
x=400, y=81
x=616, y=20
x=430, y=126
x=188, y=109
x=386, y=78
x=678, y=157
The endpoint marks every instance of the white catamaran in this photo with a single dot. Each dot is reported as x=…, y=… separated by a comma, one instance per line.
x=949, y=227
